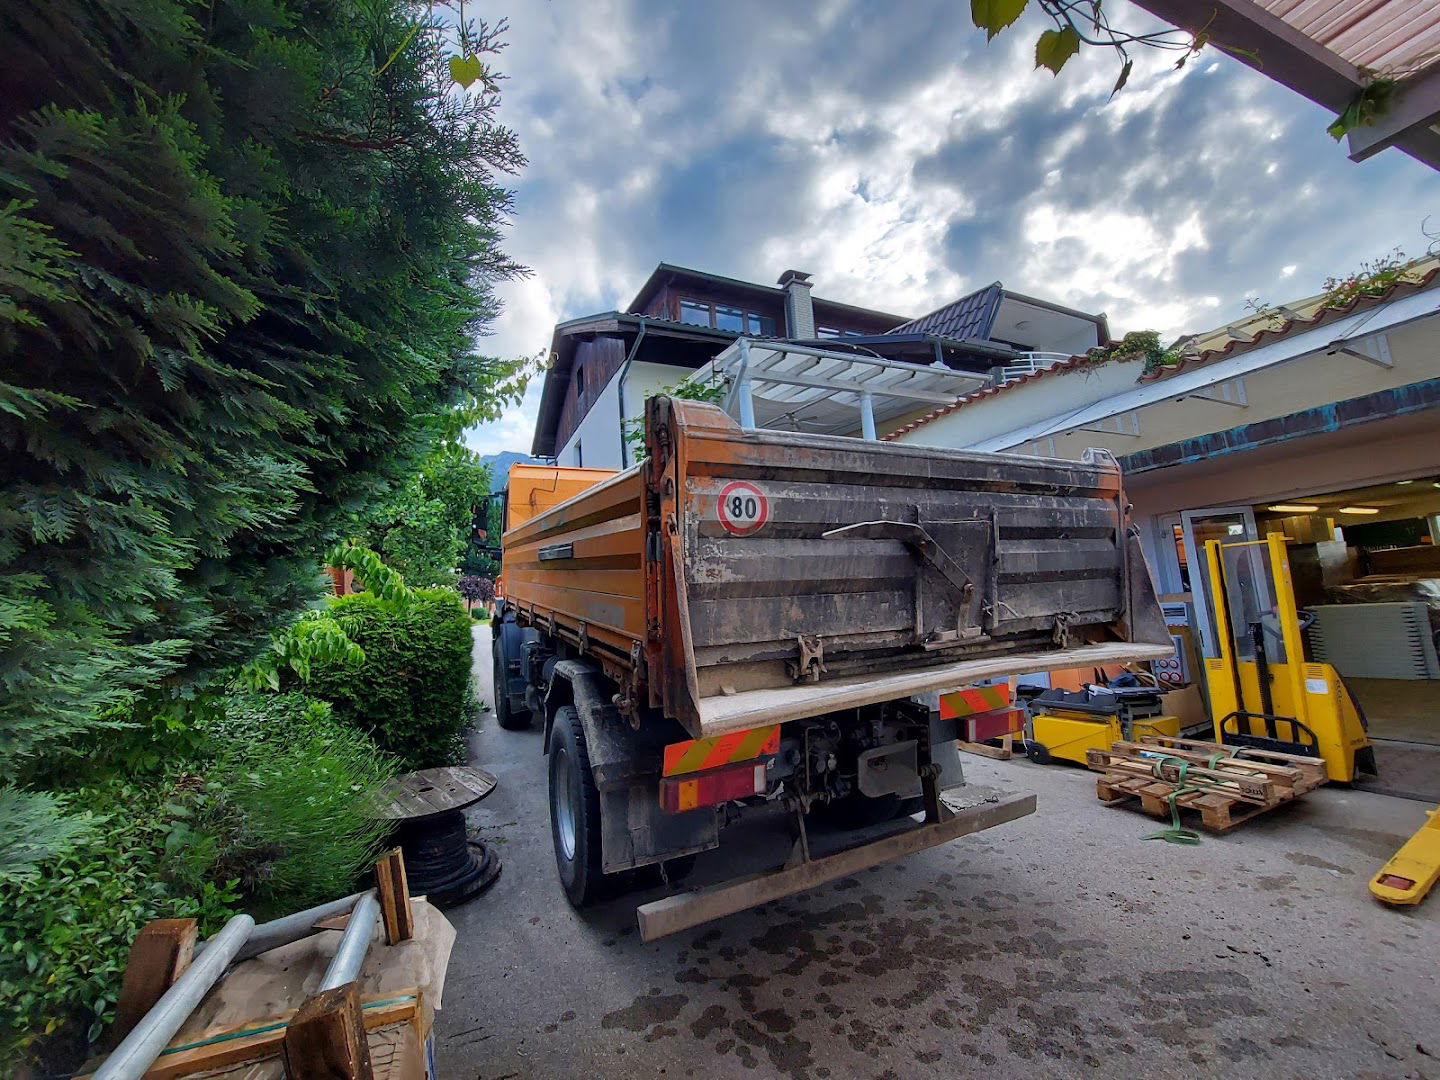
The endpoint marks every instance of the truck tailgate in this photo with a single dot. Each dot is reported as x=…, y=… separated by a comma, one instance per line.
x=796, y=574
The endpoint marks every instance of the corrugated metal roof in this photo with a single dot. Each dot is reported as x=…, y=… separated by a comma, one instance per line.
x=969, y=317
x=1393, y=37
x=1426, y=272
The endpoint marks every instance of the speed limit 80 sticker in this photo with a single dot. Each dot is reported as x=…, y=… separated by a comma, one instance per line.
x=742, y=508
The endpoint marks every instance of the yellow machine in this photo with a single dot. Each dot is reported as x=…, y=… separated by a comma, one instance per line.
x=1413, y=870
x=1066, y=723
x=1262, y=691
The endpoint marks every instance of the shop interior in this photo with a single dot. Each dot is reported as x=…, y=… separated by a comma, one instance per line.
x=1365, y=568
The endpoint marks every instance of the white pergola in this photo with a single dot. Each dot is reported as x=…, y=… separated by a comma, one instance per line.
x=828, y=391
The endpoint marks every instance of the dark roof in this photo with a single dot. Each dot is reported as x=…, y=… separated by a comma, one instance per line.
x=973, y=316
x=661, y=269
x=969, y=317
x=562, y=354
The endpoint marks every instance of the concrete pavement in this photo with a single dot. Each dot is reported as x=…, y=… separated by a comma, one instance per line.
x=1057, y=945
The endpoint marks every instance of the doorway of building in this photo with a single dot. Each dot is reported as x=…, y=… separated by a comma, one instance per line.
x=1226, y=523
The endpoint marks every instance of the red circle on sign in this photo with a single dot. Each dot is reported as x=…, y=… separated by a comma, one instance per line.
x=742, y=508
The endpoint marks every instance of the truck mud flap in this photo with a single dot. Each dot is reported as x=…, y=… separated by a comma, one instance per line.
x=682, y=911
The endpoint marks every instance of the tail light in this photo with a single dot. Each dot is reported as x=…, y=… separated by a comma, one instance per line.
x=712, y=786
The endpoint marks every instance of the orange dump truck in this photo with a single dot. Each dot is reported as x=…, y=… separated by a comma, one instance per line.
x=758, y=622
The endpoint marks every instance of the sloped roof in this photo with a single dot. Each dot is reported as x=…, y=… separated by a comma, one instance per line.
x=969, y=317
x=990, y=391
x=1319, y=317
x=1427, y=269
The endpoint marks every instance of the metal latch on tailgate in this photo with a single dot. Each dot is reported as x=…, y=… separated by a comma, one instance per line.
x=925, y=546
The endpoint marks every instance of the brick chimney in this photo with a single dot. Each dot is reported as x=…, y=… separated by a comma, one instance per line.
x=799, y=311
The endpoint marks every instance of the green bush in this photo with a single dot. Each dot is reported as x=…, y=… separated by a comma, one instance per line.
x=65, y=932
x=412, y=693
x=259, y=802
x=288, y=802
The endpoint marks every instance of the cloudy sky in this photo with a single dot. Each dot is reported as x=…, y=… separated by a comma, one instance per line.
x=892, y=153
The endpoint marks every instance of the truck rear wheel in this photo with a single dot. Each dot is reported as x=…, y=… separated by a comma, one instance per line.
x=510, y=719
x=574, y=810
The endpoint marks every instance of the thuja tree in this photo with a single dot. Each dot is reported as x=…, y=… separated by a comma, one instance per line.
x=245, y=247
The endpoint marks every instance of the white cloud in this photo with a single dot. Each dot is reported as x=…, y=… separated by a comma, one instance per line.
x=899, y=158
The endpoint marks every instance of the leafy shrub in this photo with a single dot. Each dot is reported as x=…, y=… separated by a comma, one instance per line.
x=412, y=693
x=288, y=799
x=65, y=933
x=261, y=803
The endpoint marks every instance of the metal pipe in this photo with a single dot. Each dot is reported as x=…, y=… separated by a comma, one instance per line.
x=747, y=405
x=282, y=931
x=350, y=954
x=138, y=1051
x=620, y=392
x=867, y=415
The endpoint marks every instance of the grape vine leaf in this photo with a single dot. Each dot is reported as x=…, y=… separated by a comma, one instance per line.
x=1055, y=47
x=992, y=16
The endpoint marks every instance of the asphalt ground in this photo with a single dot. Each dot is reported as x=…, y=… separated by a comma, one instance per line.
x=1058, y=945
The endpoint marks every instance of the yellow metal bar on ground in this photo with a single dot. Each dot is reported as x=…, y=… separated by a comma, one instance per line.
x=1413, y=870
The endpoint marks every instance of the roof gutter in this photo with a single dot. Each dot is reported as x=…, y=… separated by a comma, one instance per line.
x=620, y=391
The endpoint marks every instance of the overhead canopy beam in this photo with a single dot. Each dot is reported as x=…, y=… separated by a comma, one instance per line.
x=1280, y=52
x=1415, y=108
x=880, y=389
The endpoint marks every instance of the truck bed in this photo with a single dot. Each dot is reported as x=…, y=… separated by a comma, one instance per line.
x=736, y=578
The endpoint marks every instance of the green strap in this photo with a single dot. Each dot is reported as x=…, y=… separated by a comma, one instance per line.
x=1175, y=834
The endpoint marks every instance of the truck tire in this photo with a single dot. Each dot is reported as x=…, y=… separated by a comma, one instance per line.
x=574, y=811
x=510, y=719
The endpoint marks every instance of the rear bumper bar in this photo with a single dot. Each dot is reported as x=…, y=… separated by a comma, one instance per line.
x=684, y=910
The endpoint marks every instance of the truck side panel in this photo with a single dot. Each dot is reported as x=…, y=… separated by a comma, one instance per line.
x=577, y=567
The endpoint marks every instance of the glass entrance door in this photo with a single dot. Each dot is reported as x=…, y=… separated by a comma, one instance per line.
x=1228, y=524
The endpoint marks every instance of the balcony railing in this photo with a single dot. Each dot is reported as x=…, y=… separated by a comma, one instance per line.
x=1029, y=363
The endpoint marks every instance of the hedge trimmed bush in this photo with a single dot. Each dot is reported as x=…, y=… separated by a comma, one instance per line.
x=412, y=693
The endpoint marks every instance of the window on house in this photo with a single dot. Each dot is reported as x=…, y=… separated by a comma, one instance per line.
x=833, y=332
x=729, y=318
x=725, y=317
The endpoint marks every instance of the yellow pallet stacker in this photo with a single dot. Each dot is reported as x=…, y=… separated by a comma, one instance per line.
x=1263, y=693
x=1413, y=870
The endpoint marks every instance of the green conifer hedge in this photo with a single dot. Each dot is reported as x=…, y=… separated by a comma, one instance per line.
x=245, y=246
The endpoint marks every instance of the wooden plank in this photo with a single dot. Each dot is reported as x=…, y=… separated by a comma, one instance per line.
x=1286, y=775
x=159, y=955
x=325, y=1039
x=1298, y=760
x=999, y=753
x=233, y=1044
x=394, y=894
x=1248, y=788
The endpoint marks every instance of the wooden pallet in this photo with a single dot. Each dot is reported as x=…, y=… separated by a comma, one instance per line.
x=1217, y=812
x=1236, y=789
